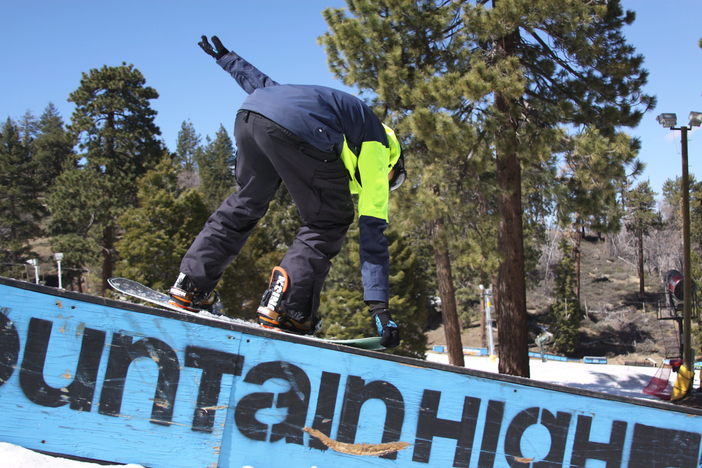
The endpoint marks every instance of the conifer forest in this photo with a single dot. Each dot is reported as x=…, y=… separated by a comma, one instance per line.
x=514, y=131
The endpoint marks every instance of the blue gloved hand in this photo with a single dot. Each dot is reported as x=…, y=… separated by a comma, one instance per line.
x=388, y=330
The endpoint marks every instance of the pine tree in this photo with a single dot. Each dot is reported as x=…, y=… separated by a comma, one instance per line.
x=565, y=312
x=671, y=212
x=187, y=146
x=188, y=152
x=342, y=309
x=20, y=207
x=28, y=128
x=672, y=204
x=641, y=218
x=410, y=304
x=390, y=49
x=159, y=229
x=52, y=147
x=77, y=204
x=481, y=85
x=114, y=127
x=216, y=165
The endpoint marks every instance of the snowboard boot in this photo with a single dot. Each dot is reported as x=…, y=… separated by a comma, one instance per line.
x=186, y=295
x=271, y=313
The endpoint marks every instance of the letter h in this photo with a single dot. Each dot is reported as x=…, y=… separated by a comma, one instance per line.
x=429, y=425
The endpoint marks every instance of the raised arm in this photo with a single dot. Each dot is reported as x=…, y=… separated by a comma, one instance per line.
x=249, y=77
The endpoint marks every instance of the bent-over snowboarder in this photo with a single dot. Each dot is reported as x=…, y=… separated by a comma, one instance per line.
x=324, y=145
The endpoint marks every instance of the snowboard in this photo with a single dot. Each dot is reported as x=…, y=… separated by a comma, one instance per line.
x=137, y=290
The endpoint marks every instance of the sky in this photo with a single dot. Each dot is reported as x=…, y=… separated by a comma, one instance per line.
x=47, y=45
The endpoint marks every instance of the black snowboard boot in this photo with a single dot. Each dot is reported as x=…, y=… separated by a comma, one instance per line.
x=271, y=313
x=186, y=295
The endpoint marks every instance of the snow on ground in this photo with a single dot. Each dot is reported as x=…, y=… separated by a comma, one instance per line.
x=620, y=380
x=12, y=456
x=612, y=379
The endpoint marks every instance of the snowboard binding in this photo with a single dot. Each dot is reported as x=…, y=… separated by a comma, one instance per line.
x=271, y=312
x=186, y=295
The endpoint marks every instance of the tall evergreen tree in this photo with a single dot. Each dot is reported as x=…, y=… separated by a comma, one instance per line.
x=672, y=203
x=28, y=128
x=565, y=312
x=157, y=231
x=77, y=203
x=494, y=81
x=20, y=207
x=188, y=152
x=672, y=217
x=391, y=49
x=187, y=146
x=641, y=218
x=52, y=147
x=114, y=127
x=216, y=166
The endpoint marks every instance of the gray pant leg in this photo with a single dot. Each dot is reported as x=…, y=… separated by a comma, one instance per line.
x=318, y=184
x=229, y=226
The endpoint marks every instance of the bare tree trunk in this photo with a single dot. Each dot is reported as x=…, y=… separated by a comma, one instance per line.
x=512, y=329
x=447, y=293
x=511, y=287
x=577, y=255
x=108, y=233
x=642, y=286
x=107, y=261
x=483, y=331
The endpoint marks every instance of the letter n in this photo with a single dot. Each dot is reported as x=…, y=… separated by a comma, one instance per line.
x=122, y=353
x=357, y=393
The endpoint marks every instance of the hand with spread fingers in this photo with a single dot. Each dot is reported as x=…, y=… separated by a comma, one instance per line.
x=217, y=51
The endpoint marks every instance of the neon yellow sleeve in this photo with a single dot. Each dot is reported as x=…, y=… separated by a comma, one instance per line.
x=373, y=162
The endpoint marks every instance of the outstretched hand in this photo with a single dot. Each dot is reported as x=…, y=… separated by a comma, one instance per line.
x=217, y=51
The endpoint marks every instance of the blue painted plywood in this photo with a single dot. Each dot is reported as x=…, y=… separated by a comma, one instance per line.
x=104, y=413
x=101, y=379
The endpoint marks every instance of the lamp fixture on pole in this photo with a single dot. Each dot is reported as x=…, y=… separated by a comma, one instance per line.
x=35, y=264
x=669, y=120
x=58, y=256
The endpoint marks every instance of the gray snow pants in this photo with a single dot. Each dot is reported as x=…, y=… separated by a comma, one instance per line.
x=318, y=184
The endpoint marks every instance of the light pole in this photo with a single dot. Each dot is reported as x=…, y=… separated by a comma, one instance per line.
x=58, y=256
x=35, y=264
x=487, y=294
x=669, y=121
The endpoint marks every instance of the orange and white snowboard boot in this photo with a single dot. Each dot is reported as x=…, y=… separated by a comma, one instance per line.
x=271, y=314
x=186, y=295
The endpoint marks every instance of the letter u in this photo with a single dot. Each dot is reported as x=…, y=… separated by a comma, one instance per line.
x=79, y=393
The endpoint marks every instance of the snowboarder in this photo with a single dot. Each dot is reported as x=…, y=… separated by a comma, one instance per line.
x=324, y=145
